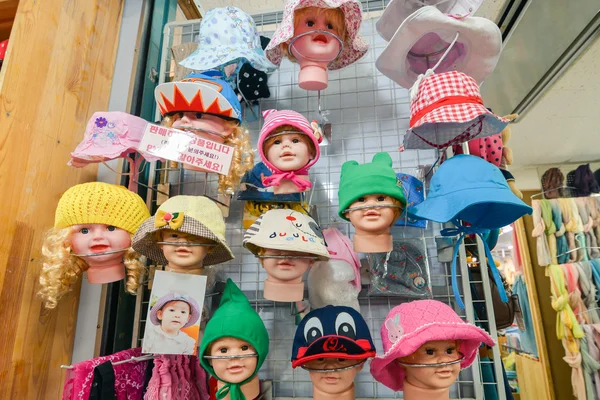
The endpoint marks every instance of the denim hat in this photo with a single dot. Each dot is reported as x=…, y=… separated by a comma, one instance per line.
x=415, y=194
x=469, y=188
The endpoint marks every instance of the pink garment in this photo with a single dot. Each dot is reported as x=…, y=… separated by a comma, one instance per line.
x=577, y=378
x=129, y=377
x=575, y=300
x=177, y=377
x=340, y=247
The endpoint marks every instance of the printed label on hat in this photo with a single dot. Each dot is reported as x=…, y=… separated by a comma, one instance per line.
x=394, y=328
x=175, y=145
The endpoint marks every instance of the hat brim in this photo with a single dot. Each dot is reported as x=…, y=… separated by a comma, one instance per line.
x=483, y=207
x=352, y=350
x=255, y=246
x=198, y=97
x=453, y=124
x=392, y=374
x=144, y=243
x=194, y=316
x=208, y=57
x=355, y=46
x=481, y=37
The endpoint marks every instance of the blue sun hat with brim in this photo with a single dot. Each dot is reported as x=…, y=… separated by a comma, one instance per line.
x=469, y=189
x=228, y=36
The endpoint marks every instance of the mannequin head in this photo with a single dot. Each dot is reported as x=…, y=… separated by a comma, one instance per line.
x=234, y=370
x=374, y=220
x=290, y=151
x=78, y=242
x=434, y=352
x=182, y=258
x=281, y=270
x=211, y=127
x=333, y=382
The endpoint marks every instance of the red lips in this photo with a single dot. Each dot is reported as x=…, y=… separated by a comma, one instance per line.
x=321, y=39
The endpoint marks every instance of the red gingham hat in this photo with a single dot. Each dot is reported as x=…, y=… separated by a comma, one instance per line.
x=448, y=110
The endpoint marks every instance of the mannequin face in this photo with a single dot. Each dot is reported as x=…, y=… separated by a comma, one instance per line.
x=437, y=351
x=183, y=257
x=289, y=152
x=285, y=269
x=208, y=122
x=322, y=47
x=234, y=370
x=333, y=382
x=173, y=316
x=373, y=220
x=100, y=238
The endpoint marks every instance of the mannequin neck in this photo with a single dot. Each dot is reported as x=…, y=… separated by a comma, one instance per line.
x=250, y=389
x=348, y=394
x=105, y=273
x=193, y=270
x=412, y=392
x=284, y=291
x=372, y=242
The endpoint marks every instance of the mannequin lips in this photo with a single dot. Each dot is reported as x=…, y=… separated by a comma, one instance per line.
x=331, y=379
x=183, y=251
x=321, y=39
x=372, y=213
x=287, y=154
x=235, y=369
x=285, y=265
x=99, y=248
x=444, y=373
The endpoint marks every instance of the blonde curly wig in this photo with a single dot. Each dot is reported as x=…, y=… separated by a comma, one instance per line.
x=62, y=269
x=243, y=156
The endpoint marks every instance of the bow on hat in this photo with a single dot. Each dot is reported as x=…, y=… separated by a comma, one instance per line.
x=163, y=218
x=469, y=230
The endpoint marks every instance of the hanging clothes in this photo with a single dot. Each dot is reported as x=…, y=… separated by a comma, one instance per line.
x=542, y=250
x=561, y=240
x=596, y=277
x=527, y=337
x=580, y=245
x=570, y=226
x=575, y=299
x=177, y=377
x=595, y=216
x=591, y=359
x=588, y=223
x=588, y=290
x=550, y=229
x=577, y=377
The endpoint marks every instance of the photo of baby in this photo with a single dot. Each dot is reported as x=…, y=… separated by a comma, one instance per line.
x=172, y=325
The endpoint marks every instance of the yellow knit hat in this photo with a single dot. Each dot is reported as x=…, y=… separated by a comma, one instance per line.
x=101, y=203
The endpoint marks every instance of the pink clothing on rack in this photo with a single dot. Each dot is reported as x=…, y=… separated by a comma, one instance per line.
x=575, y=299
x=129, y=377
x=570, y=226
x=177, y=377
x=577, y=378
x=543, y=252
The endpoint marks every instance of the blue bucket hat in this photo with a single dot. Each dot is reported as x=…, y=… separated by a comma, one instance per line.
x=470, y=189
x=415, y=194
x=228, y=36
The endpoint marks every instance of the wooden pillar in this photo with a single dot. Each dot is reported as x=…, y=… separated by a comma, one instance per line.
x=58, y=71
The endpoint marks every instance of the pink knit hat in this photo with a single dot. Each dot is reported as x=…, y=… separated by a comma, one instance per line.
x=341, y=248
x=410, y=325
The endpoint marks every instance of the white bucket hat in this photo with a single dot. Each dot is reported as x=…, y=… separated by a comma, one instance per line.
x=425, y=35
x=398, y=10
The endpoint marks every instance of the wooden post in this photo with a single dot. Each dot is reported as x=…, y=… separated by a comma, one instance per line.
x=58, y=71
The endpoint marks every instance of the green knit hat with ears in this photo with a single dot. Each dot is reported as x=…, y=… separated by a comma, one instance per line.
x=235, y=318
x=376, y=177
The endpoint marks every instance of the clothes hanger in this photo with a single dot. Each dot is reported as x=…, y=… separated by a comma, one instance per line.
x=552, y=190
x=132, y=359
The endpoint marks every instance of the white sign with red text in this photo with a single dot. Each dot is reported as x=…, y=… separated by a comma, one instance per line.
x=175, y=145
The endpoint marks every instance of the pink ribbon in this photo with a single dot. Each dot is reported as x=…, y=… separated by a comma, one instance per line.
x=275, y=180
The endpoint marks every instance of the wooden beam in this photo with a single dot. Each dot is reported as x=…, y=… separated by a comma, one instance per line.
x=8, y=9
x=189, y=9
x=58, y=71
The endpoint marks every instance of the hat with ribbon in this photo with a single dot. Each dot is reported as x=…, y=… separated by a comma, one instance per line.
x=205, y=93
x=194, y=215
x=410, y=325
x=355, y=46
x=227, y=36
x=447, y=109
x=332, y=332
x=275, y=119
x=397, y=11
x=174, y=296
x=430, y=39
x=467, y=188
x=414, y=193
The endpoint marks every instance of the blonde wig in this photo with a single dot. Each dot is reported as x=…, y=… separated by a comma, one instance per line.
x=243, y=157
x=334, y=16
x=62, y=269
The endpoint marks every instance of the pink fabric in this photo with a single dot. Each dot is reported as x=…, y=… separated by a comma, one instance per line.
x=177, y=377
x=489, y=148
x=273, y=120
x=340, y=247
x=575, y=299
x=410, y=325
x=129, y=377
x=355, y=46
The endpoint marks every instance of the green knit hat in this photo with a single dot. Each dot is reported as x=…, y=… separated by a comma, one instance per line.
x=376, y=177
x=235, y=318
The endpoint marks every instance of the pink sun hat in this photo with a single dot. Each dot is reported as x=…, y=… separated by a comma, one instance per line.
x=410, y=325
x=340, y=247
x=355, y=46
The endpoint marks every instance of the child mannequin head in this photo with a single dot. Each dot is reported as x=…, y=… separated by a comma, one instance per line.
x=287, y=243
x=332, y=343
x=207, y=106
x=91, y=234
x=426, y=344
x=186, y=234
x=289, y=151
x=233, y=352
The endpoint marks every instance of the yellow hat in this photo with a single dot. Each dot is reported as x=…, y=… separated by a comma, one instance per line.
x=101, y=203
x=195, y=215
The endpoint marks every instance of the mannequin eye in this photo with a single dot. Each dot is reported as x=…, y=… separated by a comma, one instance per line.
x=245, y=347
x=85, y=231
x=361, y=199
x=111, y=228
x=277, y=141
x=313, y=330
x=298, y=225
x=295, y=140
x=223, y=350
x=381, y=198
x=450, y=350
x=180, y=115
x=429, y=352
x=198, y=115
x=345, y=326
x=310, y=23
x=329, y=26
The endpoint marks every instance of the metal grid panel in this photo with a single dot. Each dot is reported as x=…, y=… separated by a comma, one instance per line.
x=369, y=113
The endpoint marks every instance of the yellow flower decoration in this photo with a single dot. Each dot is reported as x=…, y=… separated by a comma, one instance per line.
x=174, y=220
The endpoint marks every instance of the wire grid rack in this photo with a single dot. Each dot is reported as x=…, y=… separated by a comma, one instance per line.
x=369, y=114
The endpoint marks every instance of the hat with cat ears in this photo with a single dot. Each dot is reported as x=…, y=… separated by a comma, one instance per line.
x=410, y=325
